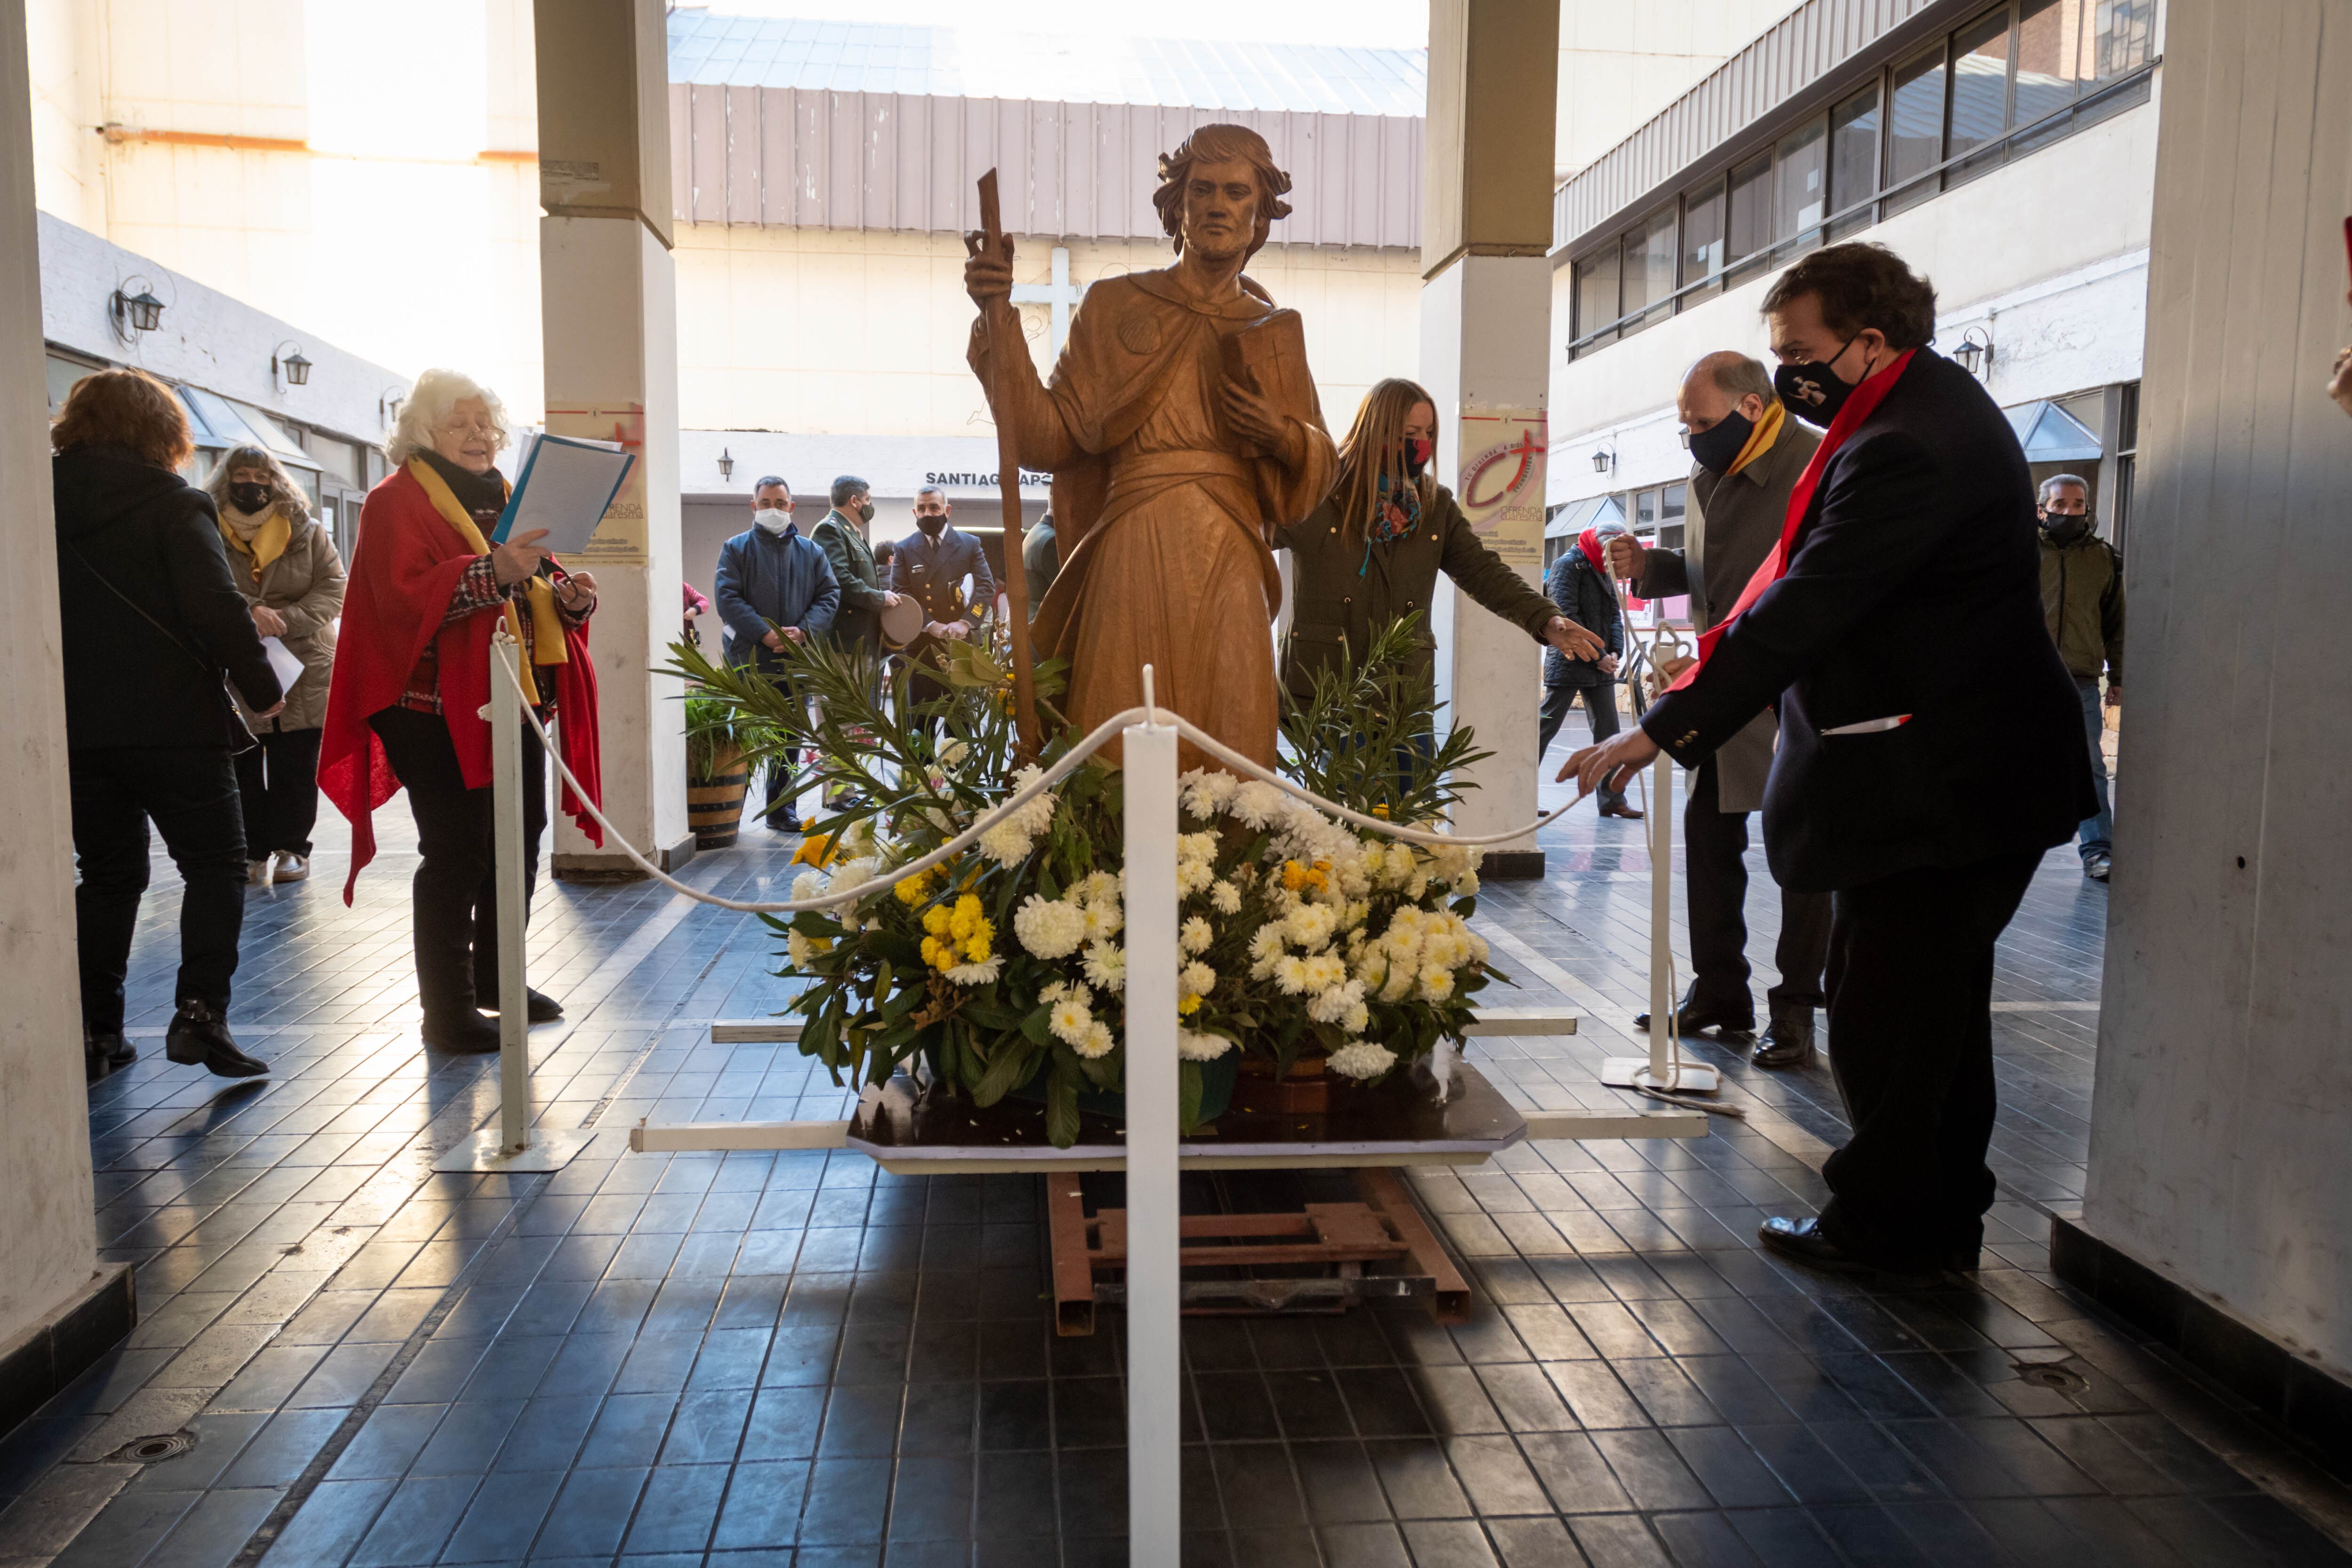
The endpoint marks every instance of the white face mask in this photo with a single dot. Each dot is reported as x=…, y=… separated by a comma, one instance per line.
x=771, y=519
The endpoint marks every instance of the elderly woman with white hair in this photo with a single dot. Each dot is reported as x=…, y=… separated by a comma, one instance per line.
x=413, y=677
x=285, y=564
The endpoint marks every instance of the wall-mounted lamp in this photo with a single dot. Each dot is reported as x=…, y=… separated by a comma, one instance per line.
x=293, y=367
x=1603, y=459
x=1975, y=352
x=726, y=464
x=140, y=313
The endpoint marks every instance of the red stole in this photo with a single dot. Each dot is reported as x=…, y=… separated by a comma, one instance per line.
x=1860, y=404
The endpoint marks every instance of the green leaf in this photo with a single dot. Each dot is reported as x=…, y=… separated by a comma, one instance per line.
x=1062, y=1108
x=1187, y=1096
x=1007, y=1071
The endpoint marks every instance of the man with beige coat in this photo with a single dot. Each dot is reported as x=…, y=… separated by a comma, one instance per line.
x=1748, y=456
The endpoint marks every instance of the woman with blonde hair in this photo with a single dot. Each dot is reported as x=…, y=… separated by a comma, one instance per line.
x=1371, y=553
x=412, y=681
x=152, y=625
x=286, y=566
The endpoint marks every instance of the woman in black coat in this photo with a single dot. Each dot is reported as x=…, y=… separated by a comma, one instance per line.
x=154, y=623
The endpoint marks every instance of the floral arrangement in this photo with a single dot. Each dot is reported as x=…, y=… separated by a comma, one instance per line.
x=1006, y=969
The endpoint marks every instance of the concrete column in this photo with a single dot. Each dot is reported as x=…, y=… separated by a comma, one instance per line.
x=44, y=1178
x=608, y=296
x=1486, y=328
x=2224, y=1101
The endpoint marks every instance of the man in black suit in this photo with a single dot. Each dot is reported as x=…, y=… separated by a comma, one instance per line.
x=1930, y=747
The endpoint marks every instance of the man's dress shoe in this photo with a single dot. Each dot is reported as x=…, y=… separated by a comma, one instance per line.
x=1787, y=1040
x=1804, y=1241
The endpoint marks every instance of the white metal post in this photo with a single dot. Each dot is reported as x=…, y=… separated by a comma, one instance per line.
x=506, y=845
x=1663, y=1024
x=514, y=1144
x=1154, y=1288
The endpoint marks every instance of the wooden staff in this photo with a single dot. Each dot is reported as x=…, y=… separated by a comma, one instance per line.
x=1008, y=480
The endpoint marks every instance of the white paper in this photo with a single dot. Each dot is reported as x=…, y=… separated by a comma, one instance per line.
x=283, y=661
x=565, y=490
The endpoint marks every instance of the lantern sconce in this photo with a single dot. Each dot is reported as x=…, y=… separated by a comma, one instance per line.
x=1975, y=352
x=1604, y=458
x=294, y=370
x=726, y=464
x=136, y=313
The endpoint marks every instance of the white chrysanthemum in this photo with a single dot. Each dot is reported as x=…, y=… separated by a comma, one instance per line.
x=984, y=973
x=1191, y=876
x=1399, y=984
x=1225, y=898
x=1397, y=865
x=1195, y=979
x=1467, y=884
x=1107, y=965
x=1005, y=843
x=953, y=753
x=1332, y=1004
x=1436, y=985
x=1362, y=1059
x=1196, y=936
x=1049, y=928
x=1193, y=1046
x=1355, y=914
x=1206, y=793
x=1097, y=1043
x=1104, y=919
x=807, y=885
x=1069, y=1020
x=1266, y=940
x=1099, y=887
x=1359, y=1017
x=857, y=839
x=1258, y=804
x=1290, y=973
x=798, y=949
x=1310, y=925
x=1325, y=970
x=1195, y=847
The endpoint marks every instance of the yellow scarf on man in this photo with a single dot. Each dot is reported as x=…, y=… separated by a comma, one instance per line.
x=546, y=626
x=1761, y=439
x=269, y=540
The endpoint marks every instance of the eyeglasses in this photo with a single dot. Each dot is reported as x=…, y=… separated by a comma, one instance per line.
x=463, y=426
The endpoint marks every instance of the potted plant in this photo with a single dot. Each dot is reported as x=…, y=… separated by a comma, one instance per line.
x=717, y=776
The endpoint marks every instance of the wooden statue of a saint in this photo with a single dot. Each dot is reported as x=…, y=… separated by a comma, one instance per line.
x=1180, y=427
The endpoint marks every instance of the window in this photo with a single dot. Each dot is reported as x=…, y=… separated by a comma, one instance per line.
x=1747, y=226
x=2126, y=461
x=1649, y=276
x=1800, y=186
x=1914, y=141
x=62, y=370
x=2048, y=63
x=1670, y=516
x=1854, y=160
x=1703, y=233
x=2121, y=35
x=1979, y=92
x=1596, y=297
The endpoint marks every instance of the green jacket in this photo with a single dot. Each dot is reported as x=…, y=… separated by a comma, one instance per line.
x=2082, y=602
x=858, y=623
x=1339, y=593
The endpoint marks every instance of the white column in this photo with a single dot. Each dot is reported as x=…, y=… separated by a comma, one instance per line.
x=45, y=1177
x=1485, y=320
x=608, y=294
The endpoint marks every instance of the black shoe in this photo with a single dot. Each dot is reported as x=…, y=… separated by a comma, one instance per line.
x=199, y=1037
x=109, y=1047
x=539, y=1007
x=1698, y=1020
x=788, y=822
x=467, y=1033
x=1804, y=1241
x=1788, y=1041
x=2097, y=865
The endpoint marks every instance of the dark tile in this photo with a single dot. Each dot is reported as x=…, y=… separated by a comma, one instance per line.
x=679, y=1506
x=591, y=1513
x=847, y=1500
x=1363, y=1546
x=503, y=1519
x=1447, y=1543
x=1308, y=1405
x=932, y=1502
x=1652, y=1473
x=547, y=1433
x=1419, y=1481
x=1617, y=1541
x=468, y=1438
x=1016, y=1495
x=763, y=1508
x=861, y=1420
x=1259, y=1490
x=1016, y=1415
x=415, y=1523
x=708, y=1428
x=784, y=1424
x=1731, y=1471
x=1338, y=1483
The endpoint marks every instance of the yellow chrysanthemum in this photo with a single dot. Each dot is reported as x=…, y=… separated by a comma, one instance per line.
x=1381, y=811
x=938, y=920
x=816, y=850
x=911, y=890
x=1187, y=1006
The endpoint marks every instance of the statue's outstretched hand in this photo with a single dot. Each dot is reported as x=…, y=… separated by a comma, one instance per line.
x=986, y=277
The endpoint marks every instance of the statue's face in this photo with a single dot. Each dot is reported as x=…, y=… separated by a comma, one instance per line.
x=1220, y=203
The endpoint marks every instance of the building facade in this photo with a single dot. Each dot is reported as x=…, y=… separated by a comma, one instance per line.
x=2008, y=151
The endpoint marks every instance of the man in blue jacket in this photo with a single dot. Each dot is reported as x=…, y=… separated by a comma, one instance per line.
x=776, y=589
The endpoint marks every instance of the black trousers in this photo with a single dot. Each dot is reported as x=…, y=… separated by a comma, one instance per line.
x=1911, y=1042
x=190, y=793
x=278, y=780
x=455, y=895
x=1715, y=842
x=1600, y=709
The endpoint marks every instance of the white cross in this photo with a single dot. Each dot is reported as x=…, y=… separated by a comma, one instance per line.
x=1059, y=294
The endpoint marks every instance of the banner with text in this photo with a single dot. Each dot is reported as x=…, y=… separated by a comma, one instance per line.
x=1501, y=484
x=623, y=539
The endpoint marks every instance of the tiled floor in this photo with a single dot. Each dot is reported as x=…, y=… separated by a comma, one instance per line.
x=755, y=1360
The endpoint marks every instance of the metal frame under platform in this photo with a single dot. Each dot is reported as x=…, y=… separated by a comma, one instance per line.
x=1381, y=1246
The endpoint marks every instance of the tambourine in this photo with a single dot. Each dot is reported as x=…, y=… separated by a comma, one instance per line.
x=902, y=623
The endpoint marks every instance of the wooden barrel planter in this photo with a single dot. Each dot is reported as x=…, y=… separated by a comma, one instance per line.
x=714, y=806
x=1304, y=1090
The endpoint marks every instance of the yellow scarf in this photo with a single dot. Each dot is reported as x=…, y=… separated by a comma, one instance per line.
x=546, y=626
x=268, y=542
x=1761, y=439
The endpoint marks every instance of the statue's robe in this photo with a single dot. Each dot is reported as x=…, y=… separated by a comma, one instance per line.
x=1161, y=511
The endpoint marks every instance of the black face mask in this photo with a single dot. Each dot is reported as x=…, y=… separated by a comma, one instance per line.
x=931, y=526
x=865, y=512
x=1813, y=390
x=2063, y=530
x=1720, y=446
x=249, y=497
x=1417, y=452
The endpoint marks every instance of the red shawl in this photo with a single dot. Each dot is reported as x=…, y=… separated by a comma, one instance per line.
x=1589, y=542
x=405, y=568
x=1859, y=405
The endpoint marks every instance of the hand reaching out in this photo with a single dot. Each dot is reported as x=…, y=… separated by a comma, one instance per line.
x=1612, y=763
x=1572, y=640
